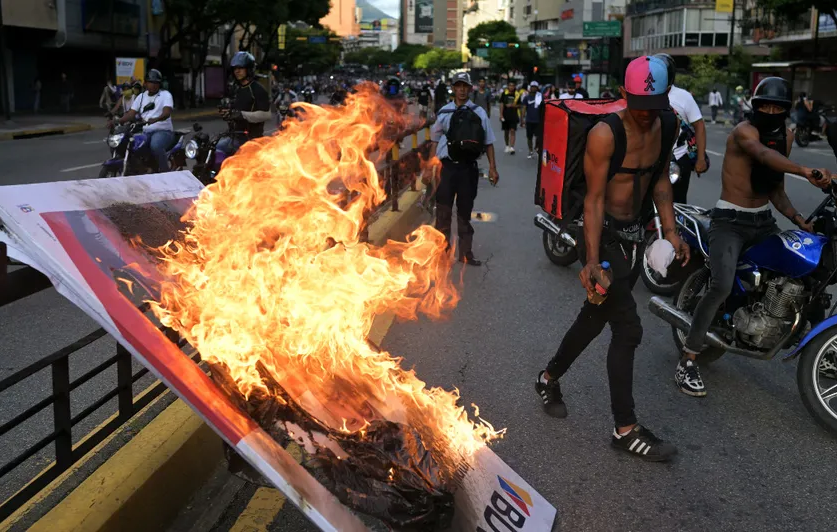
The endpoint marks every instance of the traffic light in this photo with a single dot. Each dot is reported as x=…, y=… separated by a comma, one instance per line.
x=517, y=45
x=536, y=70
x=487, y=44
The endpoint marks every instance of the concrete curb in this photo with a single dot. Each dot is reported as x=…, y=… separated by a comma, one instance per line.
x=44, y=131
x=144, y=485
x=190, y=115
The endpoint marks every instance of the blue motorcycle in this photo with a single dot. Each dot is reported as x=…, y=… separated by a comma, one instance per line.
x=131, y=154
x=779, y=301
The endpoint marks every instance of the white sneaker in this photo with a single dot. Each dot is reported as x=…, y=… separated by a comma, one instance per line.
x=507, y=149
x=530, y=155
x=511, y=150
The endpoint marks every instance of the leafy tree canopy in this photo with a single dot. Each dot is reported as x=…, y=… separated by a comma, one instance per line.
x=303, y=58
x=502, y=60
x=438, y=59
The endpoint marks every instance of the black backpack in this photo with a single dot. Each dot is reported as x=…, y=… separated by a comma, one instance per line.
x=465, y=134
x=561, y=185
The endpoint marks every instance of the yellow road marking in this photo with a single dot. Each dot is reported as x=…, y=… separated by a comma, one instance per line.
x=265, y=504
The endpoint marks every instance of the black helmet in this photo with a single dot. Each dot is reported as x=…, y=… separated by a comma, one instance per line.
x=244, y=60
x=154, y=76
x=670, y=66
x=772, y=90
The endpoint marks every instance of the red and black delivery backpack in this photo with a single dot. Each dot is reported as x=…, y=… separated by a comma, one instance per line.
x=561, y=185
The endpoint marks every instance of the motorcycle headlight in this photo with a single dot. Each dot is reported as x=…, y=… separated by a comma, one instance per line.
x=114, y=140
x=191, y=149
x=673, y=172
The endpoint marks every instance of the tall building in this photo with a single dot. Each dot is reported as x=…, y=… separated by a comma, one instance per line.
x=447, y=24
x=417, y=21
x=342, y=19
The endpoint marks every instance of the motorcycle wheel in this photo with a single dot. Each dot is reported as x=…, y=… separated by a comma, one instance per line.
x=104, y=172
x=557, y=251
x=802, y=136
x=653, y=281
x=686, y=299
x=816, y=379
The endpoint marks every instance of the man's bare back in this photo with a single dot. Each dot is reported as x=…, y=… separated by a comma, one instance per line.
x=642, y=151
x=736, y=185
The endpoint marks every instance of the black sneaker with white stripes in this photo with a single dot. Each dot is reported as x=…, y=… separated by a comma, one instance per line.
x=688, y=378
x=550, y=392
x=642, y=443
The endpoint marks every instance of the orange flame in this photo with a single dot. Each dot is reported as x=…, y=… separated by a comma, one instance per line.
x=272, y=270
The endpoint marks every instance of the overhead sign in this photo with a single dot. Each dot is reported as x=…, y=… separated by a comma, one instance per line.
x=317, y=39
x=724, y=6
x=424, y=16
x=499, y=45
x=482, y=52
x=603, y=28
x=568, y=14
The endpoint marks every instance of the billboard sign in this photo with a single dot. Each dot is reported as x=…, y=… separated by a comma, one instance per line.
x=129, y=68
x=424, y=16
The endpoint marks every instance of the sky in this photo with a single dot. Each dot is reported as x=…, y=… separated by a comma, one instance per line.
x=387, y=6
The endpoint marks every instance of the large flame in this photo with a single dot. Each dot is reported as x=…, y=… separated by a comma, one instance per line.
x=272, y=270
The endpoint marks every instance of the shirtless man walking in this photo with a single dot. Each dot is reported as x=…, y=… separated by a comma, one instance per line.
x=753, y=176
x=612, y=230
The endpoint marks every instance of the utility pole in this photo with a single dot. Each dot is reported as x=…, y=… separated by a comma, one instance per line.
x=731, y=44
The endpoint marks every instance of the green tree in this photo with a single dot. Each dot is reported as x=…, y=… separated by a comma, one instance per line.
x=303, y=58
x=406, y=53
x=704, y=74
x=739, y=66
x=438, y=59
x=517, y=56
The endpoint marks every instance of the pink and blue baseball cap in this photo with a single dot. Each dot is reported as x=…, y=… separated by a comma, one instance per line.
x=646, y=84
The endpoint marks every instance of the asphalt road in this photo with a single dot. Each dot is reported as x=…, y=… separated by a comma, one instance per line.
x=750, y=456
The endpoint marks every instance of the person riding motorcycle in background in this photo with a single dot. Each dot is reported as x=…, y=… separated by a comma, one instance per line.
x=250, y=106
x=158, y=126
x=283, y=103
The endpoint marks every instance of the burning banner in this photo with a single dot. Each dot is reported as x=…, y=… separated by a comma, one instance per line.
x=265, y=274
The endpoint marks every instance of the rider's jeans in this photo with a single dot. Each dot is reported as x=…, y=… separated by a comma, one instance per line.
x=619, y=309
x=731, y=232
x=159, y=142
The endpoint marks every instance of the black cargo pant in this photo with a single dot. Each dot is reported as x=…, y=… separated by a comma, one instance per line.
x=619, y=309
x=458, y=184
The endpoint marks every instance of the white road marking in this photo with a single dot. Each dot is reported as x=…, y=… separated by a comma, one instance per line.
x=73, y=169
x=93, y=142
x=710, y=152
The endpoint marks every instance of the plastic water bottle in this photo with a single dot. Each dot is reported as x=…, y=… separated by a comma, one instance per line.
x=602, y=278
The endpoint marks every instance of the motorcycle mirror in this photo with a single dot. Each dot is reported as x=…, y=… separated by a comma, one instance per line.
x=197, y=127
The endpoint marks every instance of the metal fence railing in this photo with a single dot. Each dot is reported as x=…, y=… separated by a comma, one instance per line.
x=399, y=170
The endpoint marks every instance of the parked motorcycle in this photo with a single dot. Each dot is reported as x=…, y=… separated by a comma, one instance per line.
x=131, y=154
x=779, y=291
x=805, y=133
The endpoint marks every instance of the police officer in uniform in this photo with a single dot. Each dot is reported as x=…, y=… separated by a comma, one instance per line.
x=459, y=179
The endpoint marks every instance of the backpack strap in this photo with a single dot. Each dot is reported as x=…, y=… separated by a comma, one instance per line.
x=620, y=143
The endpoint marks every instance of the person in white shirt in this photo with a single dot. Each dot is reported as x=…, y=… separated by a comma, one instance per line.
x=158, y=126
x=570, y=94
x=690, y=147
x=715, y=101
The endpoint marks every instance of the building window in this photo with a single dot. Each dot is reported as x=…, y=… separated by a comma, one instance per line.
x=527, y=10
x=511, y=12
x=598, y=11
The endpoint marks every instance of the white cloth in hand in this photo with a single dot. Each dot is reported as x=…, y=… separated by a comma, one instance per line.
x=660, y=255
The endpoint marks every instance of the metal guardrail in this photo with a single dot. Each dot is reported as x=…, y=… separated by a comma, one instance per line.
x=25, y=282
x=395, y=168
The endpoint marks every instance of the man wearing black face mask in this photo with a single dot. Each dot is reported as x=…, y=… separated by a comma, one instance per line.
x=753, y=176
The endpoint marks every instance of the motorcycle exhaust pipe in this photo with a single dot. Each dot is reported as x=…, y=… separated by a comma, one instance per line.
x=682, y=321
x=545, y=223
